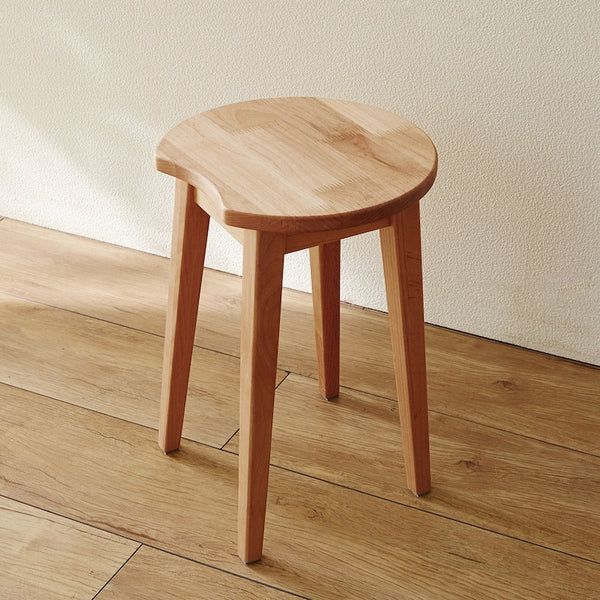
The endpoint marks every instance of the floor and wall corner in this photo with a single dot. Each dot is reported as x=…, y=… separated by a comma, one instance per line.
x=507, y=92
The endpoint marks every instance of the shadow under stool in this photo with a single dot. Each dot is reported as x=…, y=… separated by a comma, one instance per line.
x=281, y=175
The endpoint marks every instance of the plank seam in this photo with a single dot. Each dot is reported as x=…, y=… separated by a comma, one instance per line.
x=154, y=547
x=117, y=571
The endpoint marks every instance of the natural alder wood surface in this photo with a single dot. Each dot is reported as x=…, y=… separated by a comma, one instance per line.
x=300, y=164
x=110, y=474
x=261, y=305
x=401, y=251
x=495, y=472
x=47, y=557
x=190, y=235
x=469, y=377
x=283, y=170
x=325, y=276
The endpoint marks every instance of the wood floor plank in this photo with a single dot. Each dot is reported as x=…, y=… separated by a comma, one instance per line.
x=518, y=390
x=75, y=273
x=112, y=369
x=46, y=557
x=152, y=574
x=496, y=480
x=469, y=377
x=322, y=541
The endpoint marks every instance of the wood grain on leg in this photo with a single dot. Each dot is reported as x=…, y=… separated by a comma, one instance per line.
x=190, y=231
x=325, y=272
x=261, y=310
x=401, y=249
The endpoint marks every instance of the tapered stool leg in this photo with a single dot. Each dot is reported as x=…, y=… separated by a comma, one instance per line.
x=261, y=311
x=190, y=231
x=401, y=249
x=325, y=273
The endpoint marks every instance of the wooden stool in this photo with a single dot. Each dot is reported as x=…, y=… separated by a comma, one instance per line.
x=282, y=175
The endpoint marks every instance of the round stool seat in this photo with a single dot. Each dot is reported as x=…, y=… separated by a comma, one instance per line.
x=292, y=165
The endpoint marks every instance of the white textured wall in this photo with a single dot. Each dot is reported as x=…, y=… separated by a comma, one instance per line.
x=508, y=90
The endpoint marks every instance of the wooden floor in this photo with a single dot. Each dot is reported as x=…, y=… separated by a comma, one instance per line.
x=90, y=508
